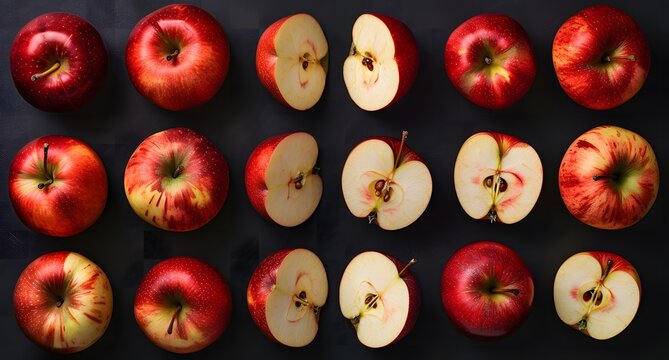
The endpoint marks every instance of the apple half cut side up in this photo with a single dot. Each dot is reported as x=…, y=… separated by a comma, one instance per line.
x=292, y=61
x=386, y=183
x=382, y=63
x=380, y=297
x=497, y=177
x=597, y=294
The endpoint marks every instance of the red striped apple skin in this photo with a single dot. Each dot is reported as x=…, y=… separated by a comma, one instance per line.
x=63, y=302
x=73, y=201
x=627, y=173
x=202, y=293
x=601, y=57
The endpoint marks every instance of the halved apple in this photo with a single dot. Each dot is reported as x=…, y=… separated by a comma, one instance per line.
x=282, y=180
x=497, y=177
x=597, y=293
x=383, y=61
x=292, y=61
x=285, y=296
x=380, y=297
x=386, y=182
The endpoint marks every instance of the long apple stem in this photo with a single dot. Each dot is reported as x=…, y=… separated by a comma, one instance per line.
x=178, y=171
x=609, y=58
x=413, y=261
x=49, y=178
x=53, y=68
x=172, y=55
x=405, y=134
x=174, y=317
x=583, y=324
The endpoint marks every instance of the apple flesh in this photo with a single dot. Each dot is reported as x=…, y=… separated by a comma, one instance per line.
x=58, y=185
x=178, y=56
x=601, y=57
x=490, y=60
x=58, y=62
x=597, y=293
x=286, y=294
x=292, y=61
x=282, y=180
x=609, y=177
x=183, y=305
x=383, y=61
x=176, y=180
x=487, y=290
x=497, y=177
x=386, y=182
x=63, y=302
x=381, y=298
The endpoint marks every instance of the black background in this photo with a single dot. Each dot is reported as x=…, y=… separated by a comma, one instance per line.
x=438, y=119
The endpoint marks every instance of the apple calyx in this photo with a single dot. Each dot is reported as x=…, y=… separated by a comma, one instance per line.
x=174, y=317
x=59, y=301
x=53, y=68
x=49, y=177
x=382, y=188
x=594, y=297
x=173, y=55
x=179, y=169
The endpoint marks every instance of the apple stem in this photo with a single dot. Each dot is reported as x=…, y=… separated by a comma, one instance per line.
x=609, y=58
x=607, y=270
x=515, y=292
x=178, y=171
x=174, y=317
x=613, y=177
x=60, y=301
x=413, y=261
x=53, y=68
x=172, y=55
x=405, y=134
x=49, y=179
x=487, y=60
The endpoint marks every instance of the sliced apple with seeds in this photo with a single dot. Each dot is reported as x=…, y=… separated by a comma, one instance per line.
x=292, y=61
x=285, y=296
x=597, y=293
x=383, y=61
x=386, y=182
x=380, y=297
x=497, y=177
x=282, y=180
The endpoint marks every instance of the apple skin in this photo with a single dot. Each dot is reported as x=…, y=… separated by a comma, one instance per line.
x=266, y=60
x=202, y=293
x=466, y=290
x=580, y=48
x=630, y=190
x=85, y=298
x=73, y=201
x=61, y=38
x=256, y=168
x=503, y=42
x=191, y=77
x=414, y=296
x=186, y=202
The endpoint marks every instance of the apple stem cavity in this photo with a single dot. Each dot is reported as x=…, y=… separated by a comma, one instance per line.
x=411, y=262
x=174, y=317
x=60, y=301
x=53, y=68
x=173, y=55
x=514, y=292
x=49, y=178
x=179, y=169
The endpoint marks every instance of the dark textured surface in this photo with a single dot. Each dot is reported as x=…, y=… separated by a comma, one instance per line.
x=438, y=119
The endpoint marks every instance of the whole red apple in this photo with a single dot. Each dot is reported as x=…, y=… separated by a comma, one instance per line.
x=601, y=57
x=183, y=304
x=176, y=180
x=178, y=56
x=58, y=61
x=63, y=302
x=490, y=60
x=609, y=177
x=286, y=294
x=487, y=290
x=57, y=185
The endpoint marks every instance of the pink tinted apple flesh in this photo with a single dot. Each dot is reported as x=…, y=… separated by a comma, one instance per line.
x=487, y=290
x=601, y=57
x=58, y=61
x=292, y=61
x=63, y=302
x=176, y=61
x=285, y=295
x=176, y=180
x=597, y=293
x=183, y=305
x=63, y=196
x=490, y=60
x=609, y=177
